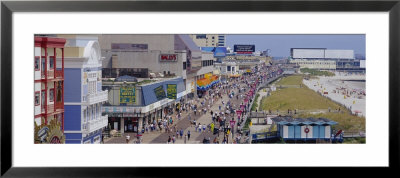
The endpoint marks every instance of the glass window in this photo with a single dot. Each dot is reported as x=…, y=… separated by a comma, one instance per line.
x=37, y=98
x=51, y=94
x=51, y=62
x=37, y=63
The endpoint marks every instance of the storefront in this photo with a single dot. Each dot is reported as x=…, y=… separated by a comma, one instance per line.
x=129, y=124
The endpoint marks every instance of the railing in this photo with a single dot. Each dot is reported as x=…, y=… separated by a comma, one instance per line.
x=245, y=117
x=59, y=105
x=94, y=125
x=97, y=97
x=50, y=74
x=51, y=107
x=59, y=74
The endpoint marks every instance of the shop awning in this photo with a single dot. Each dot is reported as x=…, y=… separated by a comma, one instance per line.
x=207, y=82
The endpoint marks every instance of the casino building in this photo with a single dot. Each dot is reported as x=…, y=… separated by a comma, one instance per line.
x=49, y=89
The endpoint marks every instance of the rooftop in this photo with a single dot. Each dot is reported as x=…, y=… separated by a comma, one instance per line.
x=285, y=120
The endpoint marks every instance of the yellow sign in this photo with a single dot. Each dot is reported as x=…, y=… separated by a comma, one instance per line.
x=127, y=95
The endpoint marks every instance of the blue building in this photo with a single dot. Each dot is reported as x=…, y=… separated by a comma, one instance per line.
x=303, y=129
x=219, y=52
x=83, y=92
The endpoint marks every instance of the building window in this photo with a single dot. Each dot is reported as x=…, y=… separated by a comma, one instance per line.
x=43, y=98
x=201, y=36
x=51, y=95
x=37, y=98
x=37, y=63
x=43, y=66
x=184, y=65
x=84, y=116
x=51, y=62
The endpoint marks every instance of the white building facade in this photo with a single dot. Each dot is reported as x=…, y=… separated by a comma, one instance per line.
x=84, y=96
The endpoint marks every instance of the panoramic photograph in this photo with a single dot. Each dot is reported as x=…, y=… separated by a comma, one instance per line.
x=199, y=89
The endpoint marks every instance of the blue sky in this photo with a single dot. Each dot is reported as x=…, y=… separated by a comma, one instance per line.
x=280, y=44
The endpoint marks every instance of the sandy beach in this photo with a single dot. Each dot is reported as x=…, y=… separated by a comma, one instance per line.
x=348, y=90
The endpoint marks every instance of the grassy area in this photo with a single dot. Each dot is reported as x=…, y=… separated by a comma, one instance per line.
x=316, y=72
x=297, y=98
x=353, y=140
x=291, y=80
x=255, y=104
x=307, y=99
x=345, y=121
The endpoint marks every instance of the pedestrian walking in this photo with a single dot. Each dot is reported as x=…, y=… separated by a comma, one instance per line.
x=181, y=133
x=188, y=134
x=173, y=139
x=185, y=138
x=169, y=140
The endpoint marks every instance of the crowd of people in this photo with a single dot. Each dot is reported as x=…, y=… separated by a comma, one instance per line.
x=225, y=120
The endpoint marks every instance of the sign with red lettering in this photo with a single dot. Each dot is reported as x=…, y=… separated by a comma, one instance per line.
x=168, y=57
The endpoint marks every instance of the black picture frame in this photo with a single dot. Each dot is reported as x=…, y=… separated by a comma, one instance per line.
x=8, y=7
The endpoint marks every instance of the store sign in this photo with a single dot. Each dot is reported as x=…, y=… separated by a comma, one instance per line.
x=168, y=57
x=159, y=92
x=171, y=91
x=127, y=95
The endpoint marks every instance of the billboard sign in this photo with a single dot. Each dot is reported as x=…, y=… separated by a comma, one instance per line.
x=129, y=47
x=127, y=95
x=159, y=92
x=168, y=58
x=244, y=49
x=171, y=91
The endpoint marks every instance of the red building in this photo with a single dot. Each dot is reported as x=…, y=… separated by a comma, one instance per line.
x=49, y=90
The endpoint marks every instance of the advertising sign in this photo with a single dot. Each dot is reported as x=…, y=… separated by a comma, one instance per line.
x=129, y=47
x=168, y=58
x=244, y=48
x=127, y=95
x=171, y=91
x=160, y=92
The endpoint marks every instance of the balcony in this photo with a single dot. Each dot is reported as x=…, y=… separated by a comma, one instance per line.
x=50, y=74
x=53, y=108
x=96, y=97
x=97, y=124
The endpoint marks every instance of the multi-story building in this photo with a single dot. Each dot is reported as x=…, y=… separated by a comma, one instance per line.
x=84, y=96
x=315, y=64
x=204, y=77
x=328, y=59
x=209, y=40
x=49, y=89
